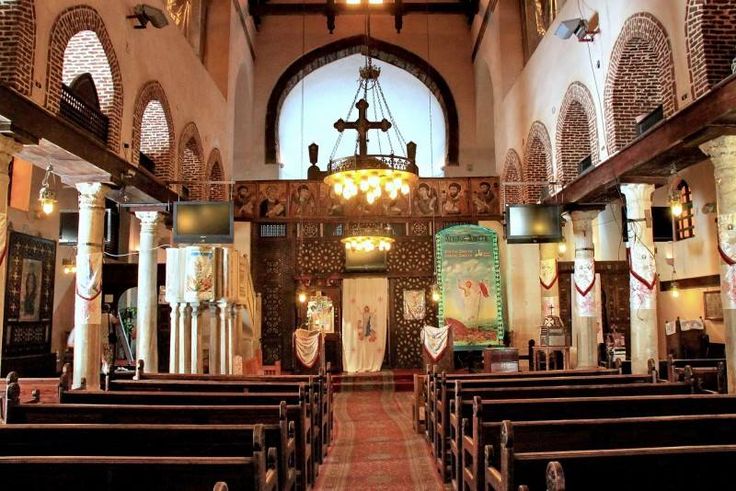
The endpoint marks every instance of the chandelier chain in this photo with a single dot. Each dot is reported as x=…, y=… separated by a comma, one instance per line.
x=375, y=117
x=388, y=133
x=390, y=115
x=347, y=118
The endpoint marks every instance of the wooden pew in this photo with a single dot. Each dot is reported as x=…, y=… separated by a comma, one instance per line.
x=708, y=373
x=105, y=473
x=443, y=426
x=15, y=412
x=488, y=416
x=672, y=468
x=196, y=444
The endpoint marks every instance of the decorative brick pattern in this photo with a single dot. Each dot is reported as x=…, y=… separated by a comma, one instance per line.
x=153, y=130
x=641, y=76
x=191, y=162
x=68, y=24
x=710, y=32
x=17, y=44
x=538, y=165
x=577, y=133
x=214, y=164
x=512, y=173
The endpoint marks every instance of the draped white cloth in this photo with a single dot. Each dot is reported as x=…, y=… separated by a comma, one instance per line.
x=365, y=309
x=435, y=340
x=307, y=346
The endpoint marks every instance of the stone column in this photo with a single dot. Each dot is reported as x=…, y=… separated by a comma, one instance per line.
x=549, y=284
x=88, y=302
x=584, y=301
x=223, y=309
x=197, y=363
x=8, y=147
x=642, y=277
x=233, y=337
x=215, y=334
x=147, y=302
x=722, y=151
x=185, y=342
x=174, y=339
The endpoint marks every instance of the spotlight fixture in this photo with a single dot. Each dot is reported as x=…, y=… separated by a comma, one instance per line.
x=435, y=292
x=46, y=196
x=70, y=266
x=675, y=290
x=146, y=13
x=578, y=27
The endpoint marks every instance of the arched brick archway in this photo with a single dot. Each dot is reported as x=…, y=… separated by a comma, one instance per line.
x=17, y=44
x=153, y=130
x=538, y=166
x=710, y=33
x=641, y=76
x=191, y=162
x=380, y=50
x=577, y=132
x=214, y=164
x=69, y=23
x=513, y=191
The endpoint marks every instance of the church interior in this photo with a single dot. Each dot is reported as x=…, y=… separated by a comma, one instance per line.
x=367, y=244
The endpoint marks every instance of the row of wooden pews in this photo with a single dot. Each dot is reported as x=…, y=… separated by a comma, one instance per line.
x=583, y=429
x=161, y=431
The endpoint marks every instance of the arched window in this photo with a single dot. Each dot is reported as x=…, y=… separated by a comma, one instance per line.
x=685, y=223
x=327, y=93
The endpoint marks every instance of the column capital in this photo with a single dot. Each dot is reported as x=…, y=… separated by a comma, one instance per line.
x=8, y=148
x=91, y=194
x=638, y=199
x=721, y=150
x=149, y=220
x=582, y=220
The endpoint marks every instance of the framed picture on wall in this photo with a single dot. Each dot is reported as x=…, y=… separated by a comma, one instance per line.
x=712, y=306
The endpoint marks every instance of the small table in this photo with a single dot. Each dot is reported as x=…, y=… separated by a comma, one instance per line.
x=550, y=350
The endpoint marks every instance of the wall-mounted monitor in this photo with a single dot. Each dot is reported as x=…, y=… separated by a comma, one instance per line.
x=69, y=227
x=365, y=262
x=203, y=222
x=661, y=224
x=533, y=224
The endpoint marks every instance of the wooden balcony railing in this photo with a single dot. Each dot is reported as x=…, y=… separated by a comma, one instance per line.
x=74, y=109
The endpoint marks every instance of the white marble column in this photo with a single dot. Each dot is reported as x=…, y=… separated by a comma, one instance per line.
x=548, y=281
x=88, y=301
x=174, y=339
x=722, y=153
x=197, y=362
x=185, y=341
x=215, y=333
x=643, y=276
x=8, y=147
x=223, y=310
x=147, y=302
x=233, y=337
x=583, y=294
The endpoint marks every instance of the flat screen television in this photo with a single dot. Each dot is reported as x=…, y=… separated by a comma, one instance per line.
x=661, y=224
x=69, y=227
x=533, y=224
x=203, y=222
x=365, y=262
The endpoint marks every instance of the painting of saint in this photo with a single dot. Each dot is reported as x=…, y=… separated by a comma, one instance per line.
x=485, y=196
x=424, y=200
x=330, y=202
x=303, y=199
x=414, y=305
x=453, y=198
x=30, y=290
x=366, y=330
x=244, y=200
x=273, y=200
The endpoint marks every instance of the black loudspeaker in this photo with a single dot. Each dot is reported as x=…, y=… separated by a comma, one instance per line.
x=646, y=121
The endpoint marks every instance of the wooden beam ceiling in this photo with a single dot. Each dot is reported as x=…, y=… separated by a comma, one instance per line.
x=651, y=157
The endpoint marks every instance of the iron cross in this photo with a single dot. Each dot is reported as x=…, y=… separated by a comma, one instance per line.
x=362, y=125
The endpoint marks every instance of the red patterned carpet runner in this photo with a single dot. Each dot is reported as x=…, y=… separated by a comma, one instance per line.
x=375, y=447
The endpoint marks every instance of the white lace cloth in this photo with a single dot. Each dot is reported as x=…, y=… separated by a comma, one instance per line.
x=434, y=340
x=307, y=346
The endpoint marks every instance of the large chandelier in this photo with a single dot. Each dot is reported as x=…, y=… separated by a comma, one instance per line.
x=368, y=238
x=371, y=176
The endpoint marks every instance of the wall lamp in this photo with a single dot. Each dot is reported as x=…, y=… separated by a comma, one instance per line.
x=146, y=13
x=579, y=27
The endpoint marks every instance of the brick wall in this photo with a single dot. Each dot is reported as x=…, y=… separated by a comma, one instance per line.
x=17, y=44
x=84, y=54
x=577, y=133
x=191, y=161
x=216, y=191
x=710, y=32
x=68, y=25
x=512, y=173
x=153, y=129
x=537, y=161
x=641, y=76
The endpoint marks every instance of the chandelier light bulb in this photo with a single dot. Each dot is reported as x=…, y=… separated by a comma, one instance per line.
x=404, y=188
x=562, y=247
x=374, y=181
x=676, y=207
x=393, y=194
x=675, y=291
x=364, y=185
x=338, y=188
x=47, y=206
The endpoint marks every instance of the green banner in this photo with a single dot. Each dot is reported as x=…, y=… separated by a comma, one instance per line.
x=469, y=276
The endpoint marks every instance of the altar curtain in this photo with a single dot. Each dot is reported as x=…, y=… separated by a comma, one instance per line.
x=364, y=318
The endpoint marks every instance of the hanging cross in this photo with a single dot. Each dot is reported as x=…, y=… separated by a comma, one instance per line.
x=362, y=125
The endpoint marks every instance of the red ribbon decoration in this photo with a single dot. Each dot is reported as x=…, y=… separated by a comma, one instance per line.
x=554, y=280
x=76, y=290
x=587, y=290
x=649, y=284
x=5, y=251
